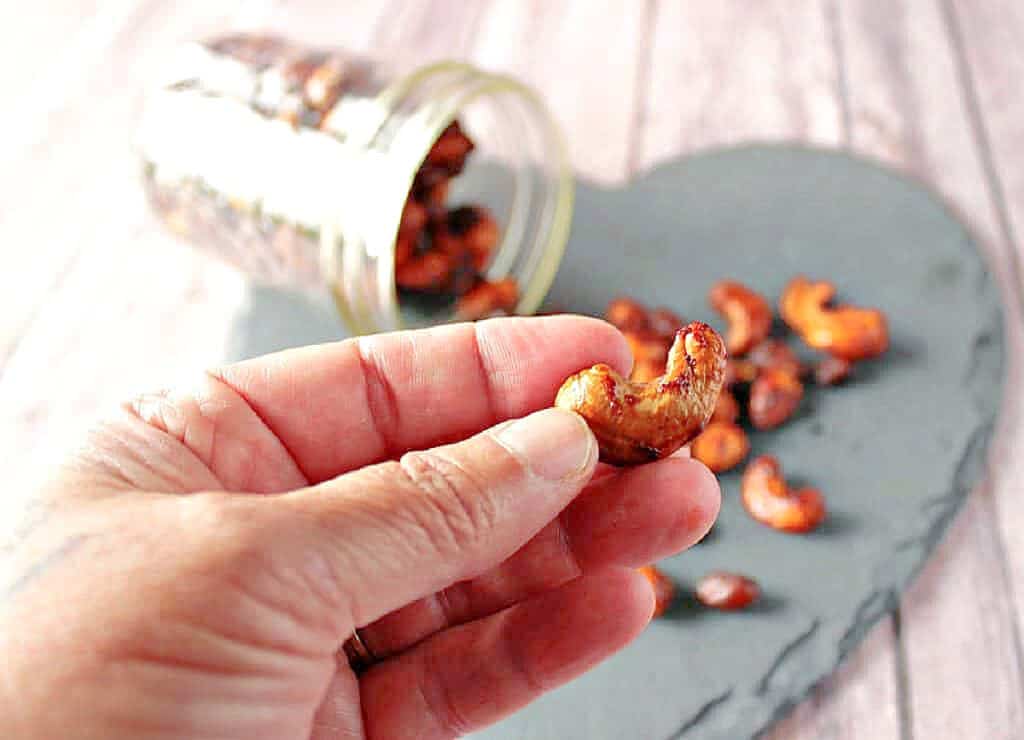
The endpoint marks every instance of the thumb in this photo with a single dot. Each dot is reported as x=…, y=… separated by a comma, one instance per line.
x=395, y=532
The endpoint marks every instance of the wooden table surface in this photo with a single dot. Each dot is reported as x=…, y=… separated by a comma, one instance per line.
x=96, y=302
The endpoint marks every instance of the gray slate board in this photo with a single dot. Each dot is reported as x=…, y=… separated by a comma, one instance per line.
x=894, y=452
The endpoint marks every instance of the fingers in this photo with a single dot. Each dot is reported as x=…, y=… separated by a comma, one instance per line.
x=392, y=533
x=341, y=406
x=471, y=676
x=632, y=518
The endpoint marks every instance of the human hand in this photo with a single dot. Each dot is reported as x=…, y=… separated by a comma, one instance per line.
x=195, y=570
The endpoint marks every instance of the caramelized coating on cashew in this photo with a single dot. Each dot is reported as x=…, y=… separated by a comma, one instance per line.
x=768, y=498
x=626, y=315
x=739, y=372
x=430, y=271
x=488, y=298
x=748, y=313
x=775, y=353
x=664, y=588
x=848, y=332
x=640, y=422
x=721, y=446
x=774, y=397
x=727, y=591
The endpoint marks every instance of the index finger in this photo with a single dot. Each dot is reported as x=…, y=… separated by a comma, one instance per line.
x=341, y=406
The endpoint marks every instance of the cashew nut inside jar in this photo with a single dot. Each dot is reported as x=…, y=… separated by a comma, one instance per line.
x=313, y=168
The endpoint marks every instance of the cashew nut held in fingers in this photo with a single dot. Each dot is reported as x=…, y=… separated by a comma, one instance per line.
x=769, y=499
x=749, y=315
x=640, y=422
x=848, y=332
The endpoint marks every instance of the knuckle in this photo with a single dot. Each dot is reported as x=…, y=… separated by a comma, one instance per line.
x=222, y=519
x=456, y=509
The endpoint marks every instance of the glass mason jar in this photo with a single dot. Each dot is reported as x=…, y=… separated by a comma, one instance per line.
x=295, y=165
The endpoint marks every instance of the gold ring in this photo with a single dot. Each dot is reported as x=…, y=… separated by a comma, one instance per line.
x=359, y=656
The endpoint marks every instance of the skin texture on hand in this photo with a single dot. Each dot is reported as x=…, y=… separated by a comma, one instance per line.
x=194, y=571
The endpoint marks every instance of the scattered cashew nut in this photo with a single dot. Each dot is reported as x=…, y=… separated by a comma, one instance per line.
x=775, y=353
x=768, y=498
x=748, y=313
x=721, y=446
x=739, y=371
x=640, y=422
x=663, y=586
x=774, y=397
x=727, y=591
x=848, y=332
x=727, y=409
x=664, y=323
x=626, y=315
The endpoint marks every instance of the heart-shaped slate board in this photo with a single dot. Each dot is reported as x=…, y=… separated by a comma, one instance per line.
x=895, y=452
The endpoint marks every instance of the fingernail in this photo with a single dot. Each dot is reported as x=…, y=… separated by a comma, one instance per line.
x=554, y=444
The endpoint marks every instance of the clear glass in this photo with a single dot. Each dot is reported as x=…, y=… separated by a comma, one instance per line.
x=304, y=185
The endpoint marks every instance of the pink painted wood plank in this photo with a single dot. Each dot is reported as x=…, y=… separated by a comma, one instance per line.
x=988, y=36
x=729, y=72
x=857, y=701
x=960, y=632
x=584, y=58
x=67, y=152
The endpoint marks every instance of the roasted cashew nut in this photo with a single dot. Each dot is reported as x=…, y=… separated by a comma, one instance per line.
x=487, y=299
x=640, y=422
x=627, y=315
x=727, y=408
x=776, y=354
x=774, y=397
x=721, y=446
x=768, y=498
x=650, y=353
x=727, y=591
x=848, y=332
x=664, y=588
x=749, y=315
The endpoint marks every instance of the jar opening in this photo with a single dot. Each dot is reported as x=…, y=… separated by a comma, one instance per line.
x=519, y=172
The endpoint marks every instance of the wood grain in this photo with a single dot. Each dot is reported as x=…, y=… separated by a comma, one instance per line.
x=986, y=37
x=583, y=57
x=906, y=108
x=728, y=72
x=68, y=152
